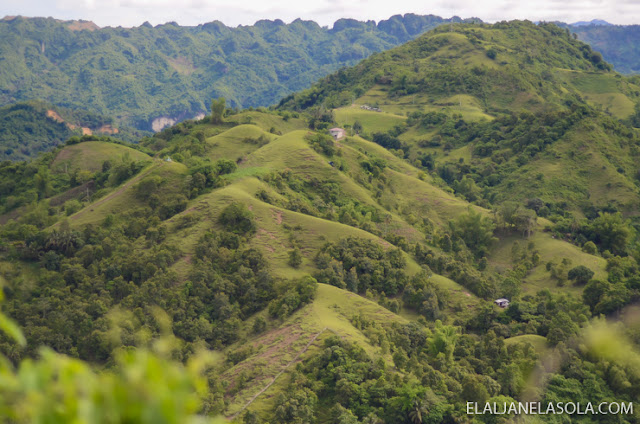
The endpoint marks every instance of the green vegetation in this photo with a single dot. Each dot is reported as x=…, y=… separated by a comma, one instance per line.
x=28, y=128
x=76, y=171
x=138, y=75
x=59, y=389
x=217, y=110
x=452, y=60
x=24, y=122
x=347, y=280
x=613, y=42
x=71, y=64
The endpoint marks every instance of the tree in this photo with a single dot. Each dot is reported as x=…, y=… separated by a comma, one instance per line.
x=611, y=232
x=590, y=248
x=307, y=287
x=342, y=415
x=296, y=406
x=259, y=325
x=475, y=230
x=525, y=221
x=510, y=288
x=506, y=213
x=512, y=215
x=417, y=411
x=580, y=274
x=468, y=188
x=473, y=390
x=250, y=418
x=148, y=186
x=43, y=182
x=217, y=110
x=443, y=340
x=225, y=166
x=511, y=380
x=357, y=127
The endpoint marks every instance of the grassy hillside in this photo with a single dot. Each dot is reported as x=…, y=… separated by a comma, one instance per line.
x=91, y=155
x=330, y=314
x=70, y=64
x=372, y=234
x=484, y=109
x=495, y=68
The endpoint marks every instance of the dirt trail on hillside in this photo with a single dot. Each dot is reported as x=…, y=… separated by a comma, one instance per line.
x=117, y=192
x=273, y=380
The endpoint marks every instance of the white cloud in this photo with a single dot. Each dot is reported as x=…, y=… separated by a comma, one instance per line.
x=325, y=12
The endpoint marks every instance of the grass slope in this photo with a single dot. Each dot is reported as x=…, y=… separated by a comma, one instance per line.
x=371, y=121
x=123, y=198
x=90, y=155
x=331, y=311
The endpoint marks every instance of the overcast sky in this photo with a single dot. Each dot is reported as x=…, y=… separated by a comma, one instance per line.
x=246, y=12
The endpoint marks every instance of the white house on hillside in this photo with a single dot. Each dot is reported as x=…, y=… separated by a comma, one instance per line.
x=337, y=133
x=502, y=302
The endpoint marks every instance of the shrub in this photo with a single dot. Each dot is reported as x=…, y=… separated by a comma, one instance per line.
x=590, y=248
x=295, y=258
x=72, y=206
x=580, y=274
x=225, y=166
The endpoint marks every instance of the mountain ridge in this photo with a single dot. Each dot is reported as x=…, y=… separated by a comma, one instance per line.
x=273, y=73
x=184, y=66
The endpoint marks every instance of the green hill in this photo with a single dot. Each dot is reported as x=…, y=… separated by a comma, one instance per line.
x=351, y=280
x=502, y=67
x=488, y=111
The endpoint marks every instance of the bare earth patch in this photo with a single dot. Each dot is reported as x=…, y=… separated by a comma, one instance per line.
x=278, y=217
x=54, y=115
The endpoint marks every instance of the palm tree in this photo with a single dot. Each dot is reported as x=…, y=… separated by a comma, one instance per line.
x=417, y=411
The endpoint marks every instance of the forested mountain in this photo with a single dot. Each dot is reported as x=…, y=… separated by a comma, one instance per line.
x=149, y=77
x=617, y=43
x=304, y=279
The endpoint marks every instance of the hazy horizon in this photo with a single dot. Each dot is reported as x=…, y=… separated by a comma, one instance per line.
x=133, y=13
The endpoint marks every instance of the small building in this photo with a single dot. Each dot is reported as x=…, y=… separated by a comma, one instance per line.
x=337, y=133
x=502, y=302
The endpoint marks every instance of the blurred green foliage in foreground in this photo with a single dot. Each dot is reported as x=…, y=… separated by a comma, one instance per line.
x=143, y=386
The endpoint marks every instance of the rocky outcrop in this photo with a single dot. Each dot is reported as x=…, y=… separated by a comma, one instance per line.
x=162, y=122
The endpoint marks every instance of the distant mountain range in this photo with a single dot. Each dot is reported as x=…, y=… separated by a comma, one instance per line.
x=591, y=22
x=619, y=45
